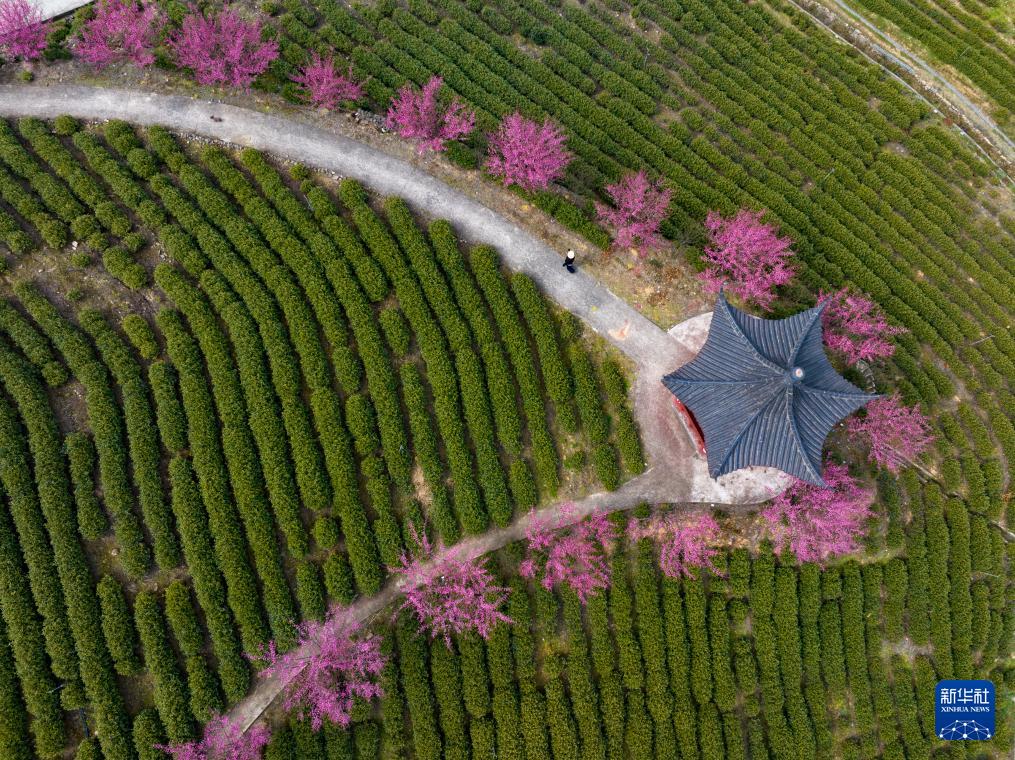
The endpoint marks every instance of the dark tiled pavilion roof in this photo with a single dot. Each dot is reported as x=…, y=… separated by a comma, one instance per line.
x=764, y=393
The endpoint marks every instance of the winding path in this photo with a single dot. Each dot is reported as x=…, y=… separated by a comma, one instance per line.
x=677, y=474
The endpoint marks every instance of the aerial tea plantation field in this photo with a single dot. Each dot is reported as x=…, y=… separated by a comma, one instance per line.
x=236, y=393
x=263, y=415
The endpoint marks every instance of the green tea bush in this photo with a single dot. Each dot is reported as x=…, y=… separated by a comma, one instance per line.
x=170, y=690
x=105, y=419
x=118, y=626
x=141, y=335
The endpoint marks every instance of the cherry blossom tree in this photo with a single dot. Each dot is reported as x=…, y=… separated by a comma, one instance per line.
x=324, y=86
x=417, y=115
x=449, y=593
x=856, y=327
x=746, y=257
x=328, y=669
x=22, y=30
x=121, y=30
x=223, y=739
x=526, y=153
x=897, y=434
x=686, y=541
x=574, y=555
x=222, y=48
x=639, y=207
x=819, y=522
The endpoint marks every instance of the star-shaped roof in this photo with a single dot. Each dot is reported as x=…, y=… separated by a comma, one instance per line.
x=764, y=393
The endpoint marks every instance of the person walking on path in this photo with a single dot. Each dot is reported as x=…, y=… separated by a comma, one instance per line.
x=569, y=260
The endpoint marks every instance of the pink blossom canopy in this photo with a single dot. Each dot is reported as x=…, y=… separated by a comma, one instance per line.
x=122, y=30
x=222, y=48
x=526, y=153
x=897, y=434
x=818, y=523
x=223, y=739
x=746, y=257
x=639, y=207
x=416, y=115
x=329, y=668
x=856, y=327
x=324, y=86
x=22, y=30
x=450, y=594
x=686, y=541
x=566, y=553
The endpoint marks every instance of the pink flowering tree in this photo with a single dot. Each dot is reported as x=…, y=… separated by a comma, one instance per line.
x=223, y=740
x=324, y=86
x=856, y=327
x=817, y=523
x=121, y=30
x=22, y=30
x=639, y=207
x=575, y=555
x=448, y=593
x=686, y=542
x=746, y=257
x=330, y=667
x=222, y=48
x=897, y=434
x=417, y=115
x=528, y=154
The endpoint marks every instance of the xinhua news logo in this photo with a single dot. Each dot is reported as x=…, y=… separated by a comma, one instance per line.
x=964, y=710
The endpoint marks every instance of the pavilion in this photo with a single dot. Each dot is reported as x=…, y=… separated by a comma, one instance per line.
x=762, y=392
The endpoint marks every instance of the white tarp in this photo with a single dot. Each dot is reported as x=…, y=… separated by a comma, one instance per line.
x=51, y=8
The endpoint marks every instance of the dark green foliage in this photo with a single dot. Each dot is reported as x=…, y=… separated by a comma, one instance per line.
x=556, y=377
x=434, y=350
x=396, y=331
x=504, y=702
x=491, y=281
x=625, y=429
x=659, y=699
x=119, y=263
x=118, y=626
x=106, y=421
x=14, y=737
x=25, y=632
x=142, y=436
x=75, y=578
x=326, y=532
x=447, y=682
x=205, y=696
x=310, y=591
x=208, y=582
x=419, y=697
x=595, y=421
x=141, y=335
x=169, y=413
x=239, y=449
x=338, y=578
x=499, y=382
x=222, y=521
x=427, y=453
x=183, y=619
x=88, y=750
x=170, y=690
x=32, y=344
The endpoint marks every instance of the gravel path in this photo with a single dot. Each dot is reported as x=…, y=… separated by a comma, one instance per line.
x=676, y=473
